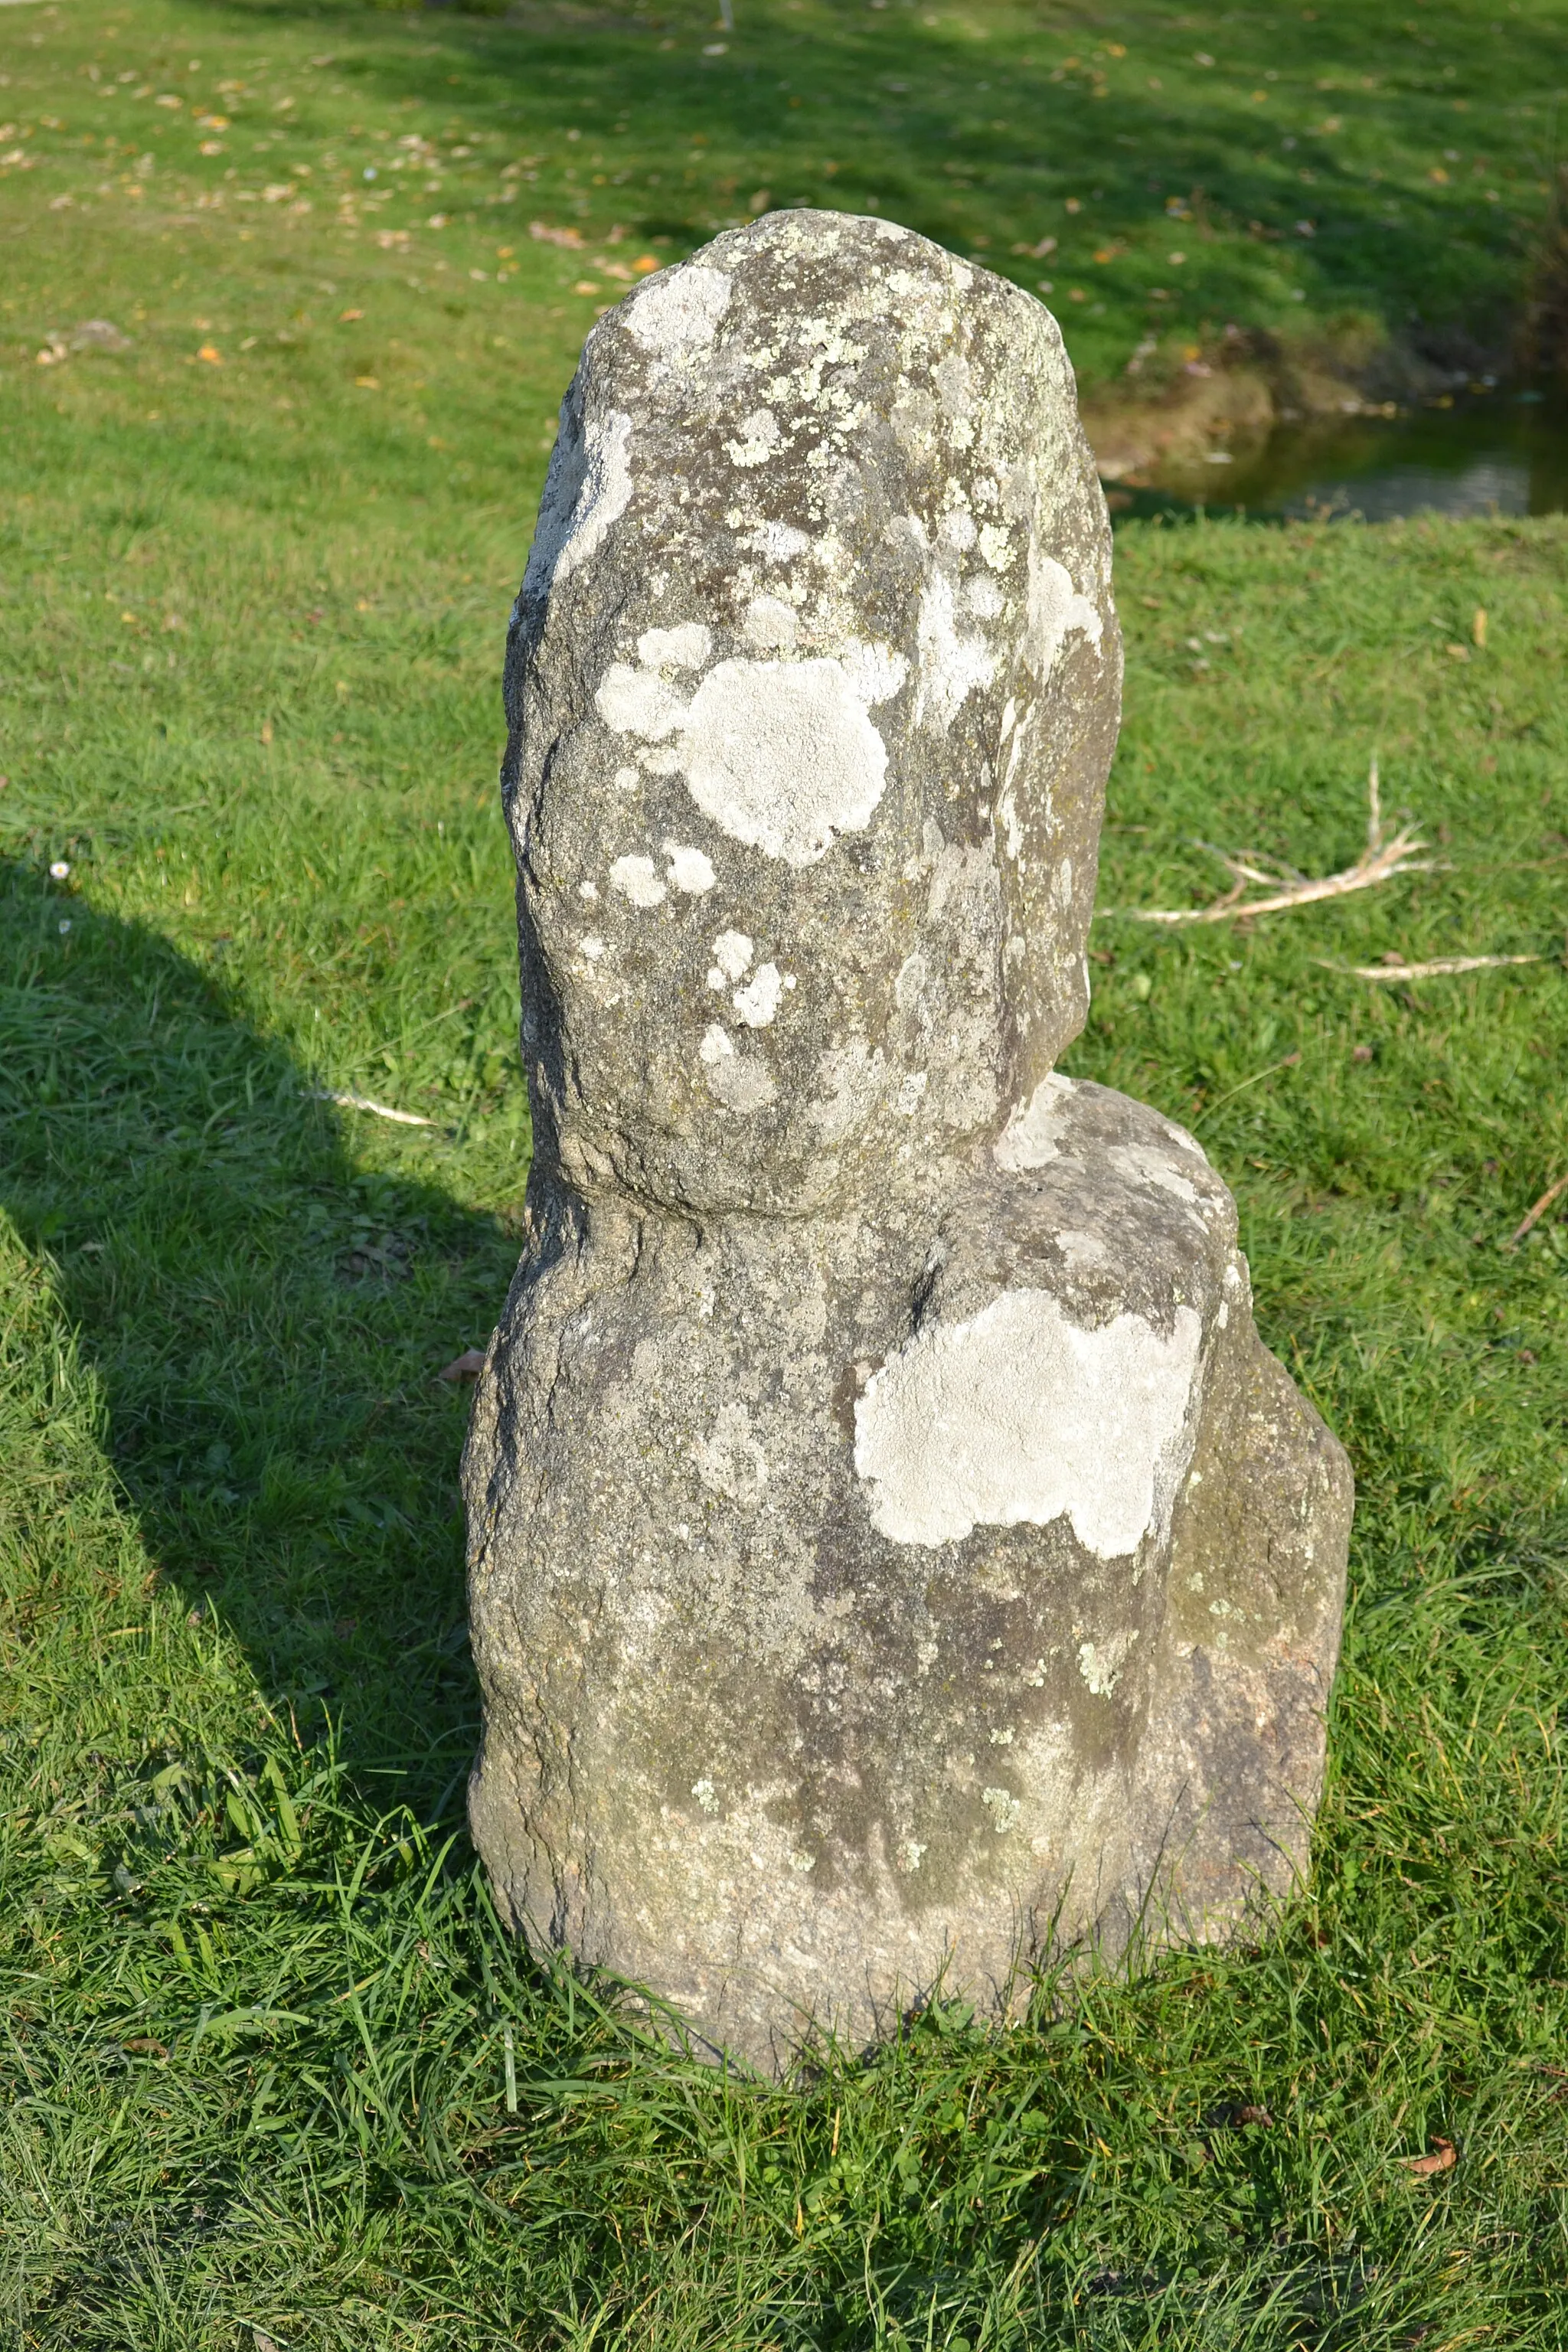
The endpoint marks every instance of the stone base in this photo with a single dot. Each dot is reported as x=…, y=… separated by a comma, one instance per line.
x=862, y=1603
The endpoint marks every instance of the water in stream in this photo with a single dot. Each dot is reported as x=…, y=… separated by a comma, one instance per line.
x=1503, y=452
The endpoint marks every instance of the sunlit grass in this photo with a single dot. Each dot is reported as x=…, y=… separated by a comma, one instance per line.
x=269, y=2065
x=1339, y=177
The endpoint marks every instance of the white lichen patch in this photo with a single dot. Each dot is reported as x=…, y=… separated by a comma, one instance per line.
x=1021, y=1415
x=1031, y=1138
x=1183, y=1141
x=909, y=1854
x=777, y=543
x=853, y=1077
x=1146, y=1166
x=634, y=878
x=1002, y=1807
x=676, y=314
x=737, y=1080
x=950, y=666
x=743, y=1084
x=771, y=624
x=686, y=647
x=760, y=439
x=1056, y=610
x=730, y=1459
x=1008, y=823
x=1101, y=1662
x=1082, y=1252
x=758, y=1005
x=690, y=871
x=910, y=985
x=705, y=1794
x=876, y=671
x=995, y=545
x=587, y=488
x=783, y=756
x=953, y=379
x=638, y=702
x=733, y=954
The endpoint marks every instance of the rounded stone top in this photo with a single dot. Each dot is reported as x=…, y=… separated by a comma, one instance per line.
x=812, y=683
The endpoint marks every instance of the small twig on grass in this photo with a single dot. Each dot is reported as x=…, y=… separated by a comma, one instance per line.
x=1289, y=1063
x=1553, y=1192
x=363, y=1102
x=1380, y=861
x=1440, y=965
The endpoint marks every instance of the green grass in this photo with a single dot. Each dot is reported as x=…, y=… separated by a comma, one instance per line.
x=269, y=2068
x=1337, y=177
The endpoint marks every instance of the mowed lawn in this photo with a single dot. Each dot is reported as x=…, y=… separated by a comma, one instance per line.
x=1333, y=179
x=271, y=2073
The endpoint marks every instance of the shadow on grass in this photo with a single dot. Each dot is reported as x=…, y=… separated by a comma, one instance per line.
x=977, y=131
x=266, y=1320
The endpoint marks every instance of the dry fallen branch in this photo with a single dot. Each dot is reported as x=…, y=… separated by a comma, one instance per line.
x=363, y=1102
x=1380, y=861
x=1553, y=1192
x=1432, y=970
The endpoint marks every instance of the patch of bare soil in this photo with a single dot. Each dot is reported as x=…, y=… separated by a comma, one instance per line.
x=1220, y=405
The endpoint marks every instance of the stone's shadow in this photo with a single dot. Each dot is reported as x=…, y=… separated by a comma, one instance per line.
x=267, y=1319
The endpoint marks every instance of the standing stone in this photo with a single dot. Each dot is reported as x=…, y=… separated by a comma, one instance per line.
x=892, y=1548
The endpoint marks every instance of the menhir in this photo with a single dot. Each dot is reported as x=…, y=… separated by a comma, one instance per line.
x=892, y=1548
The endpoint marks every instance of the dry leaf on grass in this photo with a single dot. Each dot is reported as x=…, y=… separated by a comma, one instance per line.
x=465, y=1367
x=99, y=335
x=1442, y=2159
x=1380, y=861
x=1235, y=2117
x=1394, y=967
x=346, y=1101
x=1553, y=1192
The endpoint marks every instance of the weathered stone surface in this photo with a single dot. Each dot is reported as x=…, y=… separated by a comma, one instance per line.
x=890, y=1544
